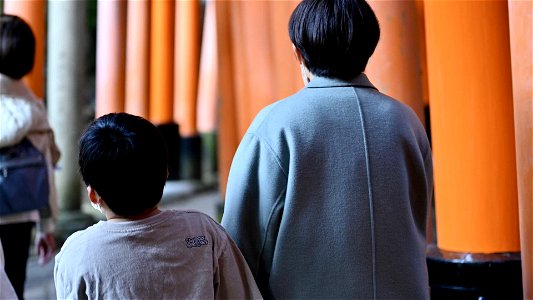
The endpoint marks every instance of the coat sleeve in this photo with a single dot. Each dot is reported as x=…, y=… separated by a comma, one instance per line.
x=255, y=198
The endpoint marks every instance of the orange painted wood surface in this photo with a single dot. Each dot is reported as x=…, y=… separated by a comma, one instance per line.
x=263, y=55
x=161, y=61
x=228, y=137
x=33, y=12
x=469, y=73
x=187, y=60
x=254, y=52
x=422, y=48
x=521, y=33
x=206, y=113
x=137, y=56
x=396, y=66
x=110, y=56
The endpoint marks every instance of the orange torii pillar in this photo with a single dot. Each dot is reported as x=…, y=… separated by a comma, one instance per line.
x=521, y=24
x=423, y=57
x=227, y=125
x=110, y=56
x=395, y=68
x=186, y=65
x=251, y=51
x=33, y=12
x=137, y=56
x=206, y=112
x=161, y=91
x=469, y=74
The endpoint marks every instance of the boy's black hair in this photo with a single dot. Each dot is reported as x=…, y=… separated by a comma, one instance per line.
x=335, y=37
x=17, y=47
x=124, y=158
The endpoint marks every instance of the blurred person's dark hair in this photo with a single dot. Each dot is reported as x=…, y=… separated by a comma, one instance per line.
x=17, y=47
x=335, y=37
x=124, y=159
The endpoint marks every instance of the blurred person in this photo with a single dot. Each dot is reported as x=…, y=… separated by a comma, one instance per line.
x=141, y=252
x=328, y=192
x=23, y=116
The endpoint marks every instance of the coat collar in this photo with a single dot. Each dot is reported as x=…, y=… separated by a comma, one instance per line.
x=323, y=82
x=15, y=88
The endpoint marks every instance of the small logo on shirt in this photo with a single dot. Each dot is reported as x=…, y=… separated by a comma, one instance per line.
x=197, y=241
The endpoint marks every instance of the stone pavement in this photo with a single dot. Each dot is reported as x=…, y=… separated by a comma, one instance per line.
x=177, y=195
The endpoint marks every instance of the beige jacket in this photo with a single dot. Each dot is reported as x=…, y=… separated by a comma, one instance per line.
x=22, y=114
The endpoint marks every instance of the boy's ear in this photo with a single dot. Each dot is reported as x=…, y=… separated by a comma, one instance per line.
x=93, y=196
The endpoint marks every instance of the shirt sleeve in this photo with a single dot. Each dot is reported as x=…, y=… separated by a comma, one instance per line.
x=254, y=203
x=58, y=278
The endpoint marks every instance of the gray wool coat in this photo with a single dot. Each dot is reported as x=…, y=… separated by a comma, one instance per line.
x=328, y=195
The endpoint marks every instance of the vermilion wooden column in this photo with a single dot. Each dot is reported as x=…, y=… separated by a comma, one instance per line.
x=470, y=89
x=287, y=78
x=187, y=60
x=396, y=66
x=521, y=24
x=254, y=64
x=257, y=51
x=186, y=65
x=137, y=56
x=206, y=112
x=110, y=56
x=422, y=47
x=161, y=61
x=228, y=131
x=33, y=12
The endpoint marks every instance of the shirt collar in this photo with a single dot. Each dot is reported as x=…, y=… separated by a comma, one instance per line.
x=323, y=82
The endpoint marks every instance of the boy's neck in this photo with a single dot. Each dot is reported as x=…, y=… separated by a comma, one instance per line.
x=112, y=217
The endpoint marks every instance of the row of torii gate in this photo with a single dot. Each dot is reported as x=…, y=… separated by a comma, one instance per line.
x=465, y=67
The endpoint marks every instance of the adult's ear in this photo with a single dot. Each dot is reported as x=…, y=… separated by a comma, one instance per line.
x=298, y=55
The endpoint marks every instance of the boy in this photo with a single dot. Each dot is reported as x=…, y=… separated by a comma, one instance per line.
x=142, y=252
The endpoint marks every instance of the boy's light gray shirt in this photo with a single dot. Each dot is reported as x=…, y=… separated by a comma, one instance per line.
x=328, y=195
x=172, y=255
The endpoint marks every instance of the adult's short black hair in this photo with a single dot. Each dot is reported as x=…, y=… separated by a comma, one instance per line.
x=124, y=158
x=335, y=37
x=17, y=47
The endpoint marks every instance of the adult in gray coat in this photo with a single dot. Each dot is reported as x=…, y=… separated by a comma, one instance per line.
x=329, y=189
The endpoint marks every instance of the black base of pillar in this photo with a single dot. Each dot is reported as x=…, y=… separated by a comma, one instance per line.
x=474, y=276
x=171, y=134
x=190, y=154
